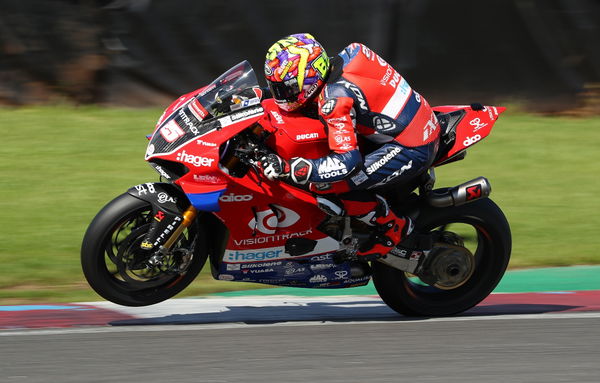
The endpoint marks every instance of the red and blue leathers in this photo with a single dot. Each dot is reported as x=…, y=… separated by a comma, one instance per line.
x=365, y=96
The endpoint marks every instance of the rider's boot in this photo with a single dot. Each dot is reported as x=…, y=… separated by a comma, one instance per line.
x=389, y=231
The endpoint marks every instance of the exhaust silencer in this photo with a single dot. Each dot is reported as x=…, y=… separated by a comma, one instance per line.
x=459, y=195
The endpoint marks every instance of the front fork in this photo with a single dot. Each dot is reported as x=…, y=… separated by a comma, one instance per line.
x=189, y=215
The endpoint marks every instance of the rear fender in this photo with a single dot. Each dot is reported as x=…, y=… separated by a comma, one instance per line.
x=474, y=124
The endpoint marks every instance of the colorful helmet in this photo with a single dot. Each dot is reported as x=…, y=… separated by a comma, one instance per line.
x=295, y=70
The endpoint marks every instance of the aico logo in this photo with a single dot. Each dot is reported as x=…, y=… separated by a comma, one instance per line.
x=194, y=160
x=306, y=136
x=235, y=198
x=471, y=140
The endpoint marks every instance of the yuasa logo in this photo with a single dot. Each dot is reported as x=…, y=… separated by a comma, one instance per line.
x=235, y=198
x=197, y=161
x=471, y=140
x=267, y=221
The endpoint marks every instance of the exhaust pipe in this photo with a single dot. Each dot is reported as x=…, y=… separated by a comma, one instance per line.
x=459, y=195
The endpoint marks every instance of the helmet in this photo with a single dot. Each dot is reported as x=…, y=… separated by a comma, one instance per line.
x=295, y=69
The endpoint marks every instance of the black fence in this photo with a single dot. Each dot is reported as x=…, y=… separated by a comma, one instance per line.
x=145, y=52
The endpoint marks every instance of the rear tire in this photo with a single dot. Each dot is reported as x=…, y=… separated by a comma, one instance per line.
x=116, y=267
x=407, y=295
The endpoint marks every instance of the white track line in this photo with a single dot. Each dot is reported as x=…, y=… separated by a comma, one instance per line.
x=222, y=326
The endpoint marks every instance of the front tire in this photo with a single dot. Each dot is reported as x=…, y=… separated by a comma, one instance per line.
x=407, y=295
x=119, y=270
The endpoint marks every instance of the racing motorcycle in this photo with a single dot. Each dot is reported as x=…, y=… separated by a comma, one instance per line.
x=149, y=243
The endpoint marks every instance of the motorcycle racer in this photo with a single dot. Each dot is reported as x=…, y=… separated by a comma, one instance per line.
x=380, y=131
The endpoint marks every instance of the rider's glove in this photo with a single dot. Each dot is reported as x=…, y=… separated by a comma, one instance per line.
x=274, y=167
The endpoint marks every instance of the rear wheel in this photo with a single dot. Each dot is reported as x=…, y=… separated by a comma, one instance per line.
x=118, y=269
x=473, y=250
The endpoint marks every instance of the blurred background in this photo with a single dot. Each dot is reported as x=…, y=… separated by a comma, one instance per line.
x=83, y=81
x=145, y=52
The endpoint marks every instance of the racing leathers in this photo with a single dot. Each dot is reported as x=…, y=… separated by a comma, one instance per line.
x=364, y=96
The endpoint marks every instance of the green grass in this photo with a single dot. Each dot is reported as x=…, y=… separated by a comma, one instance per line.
x=60, y=165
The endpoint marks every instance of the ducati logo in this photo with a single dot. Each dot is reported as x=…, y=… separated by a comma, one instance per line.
x=267, y=221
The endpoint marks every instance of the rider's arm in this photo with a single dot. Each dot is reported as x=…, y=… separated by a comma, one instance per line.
x=339, y=117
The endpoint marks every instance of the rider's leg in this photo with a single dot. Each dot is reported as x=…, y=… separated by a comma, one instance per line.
x=372, y=209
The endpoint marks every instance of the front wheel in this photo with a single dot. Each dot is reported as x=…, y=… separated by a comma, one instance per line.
x=481, y=230
x=119, y=270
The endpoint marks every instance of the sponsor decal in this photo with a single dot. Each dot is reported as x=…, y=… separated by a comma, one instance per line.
x=257, y=271
x=226, y=277
x=160, y=215
x=207, y=89
x=245, y=103
x=383, y=160
x=197, y=110
x=306, y=136
x=233, y=266
x=188, y=122
x=393, y=175
x=341, y=274
x=322, y=266
x=310, y=91
x=143, y=190
x=267, y=221
x=146, y=245
x=204, y=143
x=260, y=264
x=319, y=258
x=473, y=192
x=277, y=117
x=236, y=197
x=240, y=116
x=383, y=124
x=295, y=270
x=150, y=150
x=362, y=103
x=331, y=167
x=359, y=178
x=171, y=131
x=328, y=107
x=471, y=140
x=168, y=230
x=271, y=238
x=318, y=279
x=254, y=255
x=164, y=197
x=209, y=179
x=430, y=127
x=477, y=124
x=161, y=171
x=386, y=77
x=197, y=161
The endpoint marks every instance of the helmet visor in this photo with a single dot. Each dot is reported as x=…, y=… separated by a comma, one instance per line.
x=286, y=91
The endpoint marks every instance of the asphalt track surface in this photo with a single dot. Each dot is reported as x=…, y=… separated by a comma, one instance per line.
x=510, y=337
